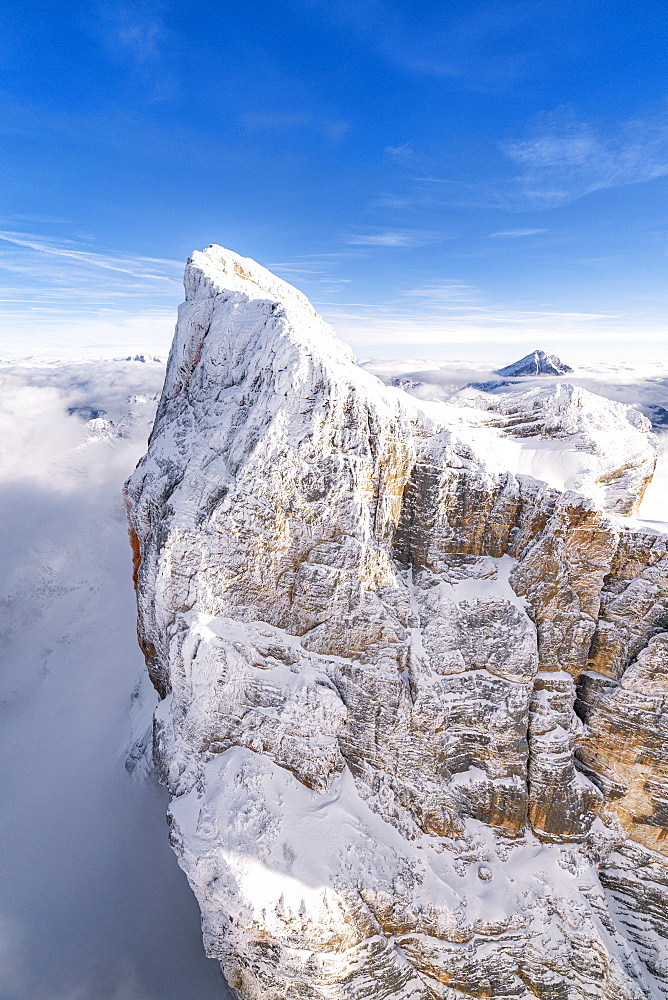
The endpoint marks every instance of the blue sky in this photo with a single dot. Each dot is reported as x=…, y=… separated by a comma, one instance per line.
x=440, y=178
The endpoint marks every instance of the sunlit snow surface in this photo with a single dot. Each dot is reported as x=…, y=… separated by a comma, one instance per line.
x=643, y=385
x=93, y=905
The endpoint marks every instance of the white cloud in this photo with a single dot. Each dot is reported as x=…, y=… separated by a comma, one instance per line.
x=566, y=157
x=50, y=219
x=562, y=158
x=139, y=267
x=470, y=330
x=136, y=35
x=86, y=870
x=404, y=154
x=393, y=238
x=382, y=240
x=448, y=293
x=516, y=233
x=441, y=315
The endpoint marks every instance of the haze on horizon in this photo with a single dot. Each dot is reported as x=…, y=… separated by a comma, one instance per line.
x=469, y=179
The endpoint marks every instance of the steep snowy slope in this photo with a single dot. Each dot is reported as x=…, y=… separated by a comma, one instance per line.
x=569, y=438
x=375, y=638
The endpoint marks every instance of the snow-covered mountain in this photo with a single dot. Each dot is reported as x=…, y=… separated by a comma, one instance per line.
x=412, y=665
x=536, y=363
x=645, y=387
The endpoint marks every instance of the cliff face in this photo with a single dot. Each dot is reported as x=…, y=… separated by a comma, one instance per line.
x=413, y=682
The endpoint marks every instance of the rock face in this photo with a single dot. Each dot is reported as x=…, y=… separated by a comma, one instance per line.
x=536, y=363
x=412, y=717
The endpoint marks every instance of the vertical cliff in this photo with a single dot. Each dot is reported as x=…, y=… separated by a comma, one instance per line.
x=412, y=668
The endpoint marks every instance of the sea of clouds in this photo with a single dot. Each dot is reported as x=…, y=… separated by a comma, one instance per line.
x=93, y=904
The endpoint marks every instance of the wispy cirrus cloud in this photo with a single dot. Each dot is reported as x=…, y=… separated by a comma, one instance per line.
x=315, y=274
x=517, y=233
x=382, y=240
x=134, y=29
x=59, y=294
x=400, y=154
x=152, y=268
x=136, y=36
x=333, y=130
x=565, y=157
x=48, y=219
x=440, y=325
x=561, y=158
x=478, y=46
x=437, y=315
x=405, y=155
x=446, y=294
x=395, y=238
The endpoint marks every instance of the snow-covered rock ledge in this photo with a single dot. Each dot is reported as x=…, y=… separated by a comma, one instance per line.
x=376, y=638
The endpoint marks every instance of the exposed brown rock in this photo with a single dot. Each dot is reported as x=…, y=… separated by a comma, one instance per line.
x=392, y=667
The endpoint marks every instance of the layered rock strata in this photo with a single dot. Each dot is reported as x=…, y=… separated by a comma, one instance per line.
x=412, y=698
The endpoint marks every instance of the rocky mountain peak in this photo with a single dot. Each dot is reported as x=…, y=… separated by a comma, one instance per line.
x=402, y=757
x=536, y=363
x=224, y=269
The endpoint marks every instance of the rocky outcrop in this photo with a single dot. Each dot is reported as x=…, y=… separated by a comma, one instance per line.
x=411, y=716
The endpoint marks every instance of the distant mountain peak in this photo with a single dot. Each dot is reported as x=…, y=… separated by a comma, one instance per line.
x=140, y=357
x=536, y=363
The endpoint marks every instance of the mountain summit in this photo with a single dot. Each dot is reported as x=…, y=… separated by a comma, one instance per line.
x=536, y=363
x=413, y=667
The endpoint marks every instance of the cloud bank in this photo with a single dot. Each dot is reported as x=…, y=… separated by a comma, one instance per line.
x=93, y=905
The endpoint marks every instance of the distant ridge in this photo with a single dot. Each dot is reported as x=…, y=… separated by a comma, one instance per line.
x=142, y=357
x=536, y=363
